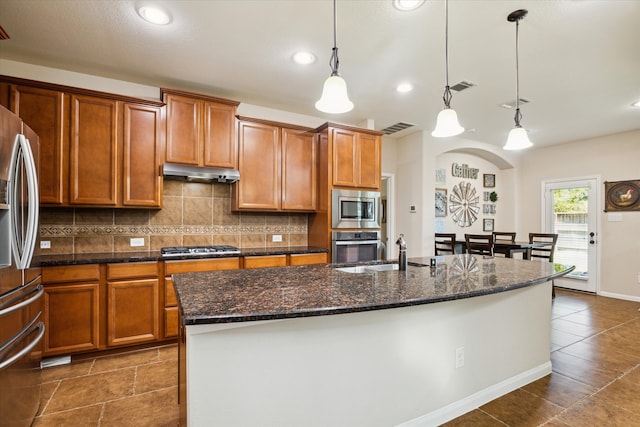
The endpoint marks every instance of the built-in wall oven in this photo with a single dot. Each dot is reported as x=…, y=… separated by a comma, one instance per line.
x=355, y=209
x=355, y=246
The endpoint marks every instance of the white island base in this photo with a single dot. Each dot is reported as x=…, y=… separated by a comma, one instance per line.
x=377, y=368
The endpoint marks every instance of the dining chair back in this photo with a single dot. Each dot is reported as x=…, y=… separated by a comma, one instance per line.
x=502, y=237
x=445, y=243
x=544, y=252
x=548, y=250
x=481, y=244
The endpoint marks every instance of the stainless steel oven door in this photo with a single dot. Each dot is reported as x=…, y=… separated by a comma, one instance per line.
x=343, y=251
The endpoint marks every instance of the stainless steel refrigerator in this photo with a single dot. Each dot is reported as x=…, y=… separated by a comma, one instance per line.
x=21, y=291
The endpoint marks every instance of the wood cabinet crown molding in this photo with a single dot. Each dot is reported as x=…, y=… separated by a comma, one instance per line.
x=327, y=125
x=78, y=91
x=166, y=91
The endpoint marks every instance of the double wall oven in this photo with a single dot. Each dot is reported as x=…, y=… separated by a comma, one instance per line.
x=355, y=220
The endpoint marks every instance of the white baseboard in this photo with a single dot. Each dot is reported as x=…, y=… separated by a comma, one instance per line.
x=620, y=296
x=469, y=403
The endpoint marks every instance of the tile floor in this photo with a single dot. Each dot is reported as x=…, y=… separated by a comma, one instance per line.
x=595, y=379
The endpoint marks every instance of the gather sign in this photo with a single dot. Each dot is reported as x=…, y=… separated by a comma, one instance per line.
x=464, y=171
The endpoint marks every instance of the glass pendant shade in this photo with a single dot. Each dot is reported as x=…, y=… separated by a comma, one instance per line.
x=447, y=124
x=517, y=139
x=334, y=97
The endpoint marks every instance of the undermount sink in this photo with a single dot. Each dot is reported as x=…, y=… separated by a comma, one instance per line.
x=368, y=268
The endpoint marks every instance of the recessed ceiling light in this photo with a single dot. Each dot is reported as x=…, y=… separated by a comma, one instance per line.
x=154, y=15
x=404, y=87
x=304, y=58
x=406, y=5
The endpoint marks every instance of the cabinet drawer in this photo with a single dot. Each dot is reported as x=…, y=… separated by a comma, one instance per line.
x=171, y=322
x=70, y=273
x=132, y=270
x=194, y=266
x=169, y=293
x=265, y=261
x=306, y=259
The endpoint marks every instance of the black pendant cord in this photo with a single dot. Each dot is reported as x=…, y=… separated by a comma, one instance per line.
x=447, y=91
x=334, y=62
x=518, y=115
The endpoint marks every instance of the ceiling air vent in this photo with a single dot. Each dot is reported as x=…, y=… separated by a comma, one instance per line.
x=396, y=128
x=512, y=104
x=462, y=85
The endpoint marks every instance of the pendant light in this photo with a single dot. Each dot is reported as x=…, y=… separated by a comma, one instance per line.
x=334, y=97
x=518, y=138
x=447, y=121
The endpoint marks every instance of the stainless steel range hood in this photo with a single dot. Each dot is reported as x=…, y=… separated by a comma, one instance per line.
x=199, y=174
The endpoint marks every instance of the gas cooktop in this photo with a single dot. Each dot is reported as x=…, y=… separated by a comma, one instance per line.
x=199, y=250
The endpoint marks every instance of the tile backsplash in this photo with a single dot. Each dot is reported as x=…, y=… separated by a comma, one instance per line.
x=192, y=214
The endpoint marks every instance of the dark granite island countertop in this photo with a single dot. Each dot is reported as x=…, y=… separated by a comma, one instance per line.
x=317, y=346
x=286, y=292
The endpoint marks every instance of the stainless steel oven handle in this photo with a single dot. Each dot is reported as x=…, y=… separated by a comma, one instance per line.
x=355, y=242
x=28, y=348
x=39, y=289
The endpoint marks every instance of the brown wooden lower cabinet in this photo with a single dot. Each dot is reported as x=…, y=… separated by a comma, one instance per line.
x=97, y=307
x=187, y=266
x=72, y=309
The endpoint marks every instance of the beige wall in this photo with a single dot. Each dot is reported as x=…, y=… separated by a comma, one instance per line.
x=612, y=158
x=192, y=214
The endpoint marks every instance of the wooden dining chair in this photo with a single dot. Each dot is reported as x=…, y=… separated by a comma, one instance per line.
x=481, y=244
x=445, y=243
x=502, y=237
x=545, y=252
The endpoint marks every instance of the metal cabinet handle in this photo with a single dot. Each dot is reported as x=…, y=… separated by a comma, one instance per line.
x=27, y=349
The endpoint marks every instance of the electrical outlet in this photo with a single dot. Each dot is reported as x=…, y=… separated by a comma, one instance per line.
x=276, y=238
x=639, y=278
x=136, y=241
x=459, y=357
x=46, y=244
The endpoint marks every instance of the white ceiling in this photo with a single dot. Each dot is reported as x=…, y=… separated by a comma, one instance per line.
x=579, y=59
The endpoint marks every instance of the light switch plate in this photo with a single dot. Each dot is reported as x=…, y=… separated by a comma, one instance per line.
x=614, y=217
x=45, y=244
x=276, y=238
x=136, y=241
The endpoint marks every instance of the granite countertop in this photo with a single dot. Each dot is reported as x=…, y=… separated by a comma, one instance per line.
x=141, y=256
x=286, y=292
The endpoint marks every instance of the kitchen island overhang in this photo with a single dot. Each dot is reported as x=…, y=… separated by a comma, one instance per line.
x=298, y=356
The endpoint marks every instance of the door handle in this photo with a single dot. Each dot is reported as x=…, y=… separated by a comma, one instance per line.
x=591, y=238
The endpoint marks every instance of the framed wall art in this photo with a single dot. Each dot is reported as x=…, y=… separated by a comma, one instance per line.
x=487, y=224
x=489, y=180
x=622, y=196
x=441, y=202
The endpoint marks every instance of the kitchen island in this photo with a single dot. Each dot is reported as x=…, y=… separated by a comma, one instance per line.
x=320, y=345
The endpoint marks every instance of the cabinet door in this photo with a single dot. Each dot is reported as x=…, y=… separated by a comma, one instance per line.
x=141, y=149
x=344, y=157
x=44, y=111
x=71, y=318
x=307, y=259
x=369, y=168
x=219, y=135
x=183, y=129
x=299, y=170
x=259, y=164
x=95, y=146
x=132, y=311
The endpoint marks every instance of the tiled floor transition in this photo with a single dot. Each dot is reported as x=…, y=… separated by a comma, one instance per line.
x=595, y=379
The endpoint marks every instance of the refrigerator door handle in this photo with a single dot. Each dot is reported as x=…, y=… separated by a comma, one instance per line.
x=8, y=346
x=23, y=246
x=11, y=308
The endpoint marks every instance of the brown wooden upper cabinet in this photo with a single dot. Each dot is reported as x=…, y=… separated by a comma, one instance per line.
x=278, y=167
x=356, y=158
x=200, y=129
x=88, y=141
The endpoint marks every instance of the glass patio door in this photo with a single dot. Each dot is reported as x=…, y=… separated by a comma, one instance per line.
x=571, y=211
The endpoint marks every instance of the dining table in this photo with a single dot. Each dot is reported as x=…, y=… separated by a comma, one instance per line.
x=506, y=247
